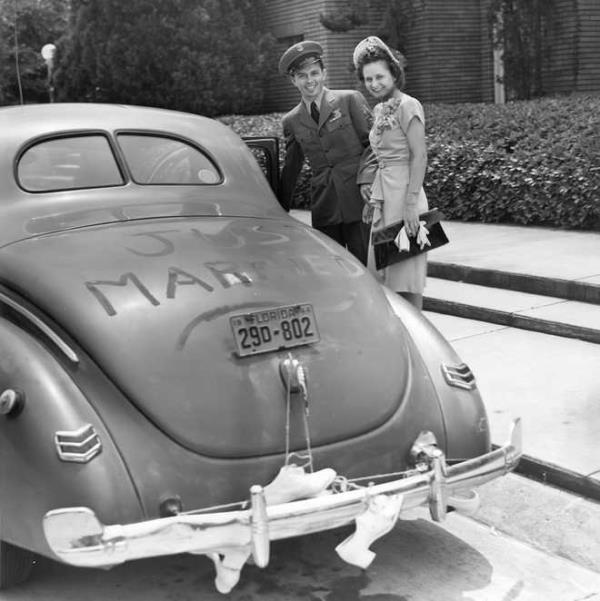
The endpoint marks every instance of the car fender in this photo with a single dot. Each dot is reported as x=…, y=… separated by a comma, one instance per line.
x=33, y=478
x=464, y=415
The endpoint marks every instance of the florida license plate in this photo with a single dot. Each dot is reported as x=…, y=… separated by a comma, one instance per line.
x=274, y=329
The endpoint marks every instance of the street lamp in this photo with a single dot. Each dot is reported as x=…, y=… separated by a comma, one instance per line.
x=48, y=53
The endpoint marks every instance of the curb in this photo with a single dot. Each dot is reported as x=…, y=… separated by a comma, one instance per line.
x=512, y=320
x=519, y=282
x=560, y=477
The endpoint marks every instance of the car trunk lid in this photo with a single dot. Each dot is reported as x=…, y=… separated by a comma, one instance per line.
x=152, y=302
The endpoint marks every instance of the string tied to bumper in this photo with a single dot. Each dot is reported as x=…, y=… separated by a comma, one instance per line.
x=294, y=378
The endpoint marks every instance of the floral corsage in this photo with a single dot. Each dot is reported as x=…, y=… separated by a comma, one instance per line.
x=385, y=115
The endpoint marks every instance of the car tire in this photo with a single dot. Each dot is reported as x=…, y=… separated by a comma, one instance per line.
x=15, y=565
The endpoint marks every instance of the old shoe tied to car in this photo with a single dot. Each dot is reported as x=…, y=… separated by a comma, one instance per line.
x=170, y=338
x=291, y=483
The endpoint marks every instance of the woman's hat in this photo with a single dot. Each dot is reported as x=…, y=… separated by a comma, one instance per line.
x=373, y=46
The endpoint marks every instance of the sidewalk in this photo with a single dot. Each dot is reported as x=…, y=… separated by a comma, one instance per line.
x=521, y=305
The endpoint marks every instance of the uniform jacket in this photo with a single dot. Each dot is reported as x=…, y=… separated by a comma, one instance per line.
x=338, y=152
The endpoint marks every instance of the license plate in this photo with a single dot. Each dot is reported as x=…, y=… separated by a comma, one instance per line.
x=274, y=329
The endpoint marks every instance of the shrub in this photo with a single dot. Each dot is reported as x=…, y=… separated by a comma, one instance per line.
x=525, y=162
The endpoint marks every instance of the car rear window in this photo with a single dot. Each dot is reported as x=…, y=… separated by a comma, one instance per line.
x=162, y=160
x=69, y=163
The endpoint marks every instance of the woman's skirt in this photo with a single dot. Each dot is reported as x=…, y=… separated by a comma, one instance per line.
x=391, y=185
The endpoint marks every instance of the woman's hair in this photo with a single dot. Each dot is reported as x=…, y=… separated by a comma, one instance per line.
x=375, y=53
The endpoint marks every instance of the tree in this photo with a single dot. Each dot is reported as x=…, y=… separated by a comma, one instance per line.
x=398, y=21
x=393, y=25
x=204, y=56
x=524, y=33
x=26, y=26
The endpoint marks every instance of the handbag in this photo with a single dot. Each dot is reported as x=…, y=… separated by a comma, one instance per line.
x=386, y=251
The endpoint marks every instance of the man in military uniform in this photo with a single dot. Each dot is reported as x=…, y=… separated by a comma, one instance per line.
x=331, y=129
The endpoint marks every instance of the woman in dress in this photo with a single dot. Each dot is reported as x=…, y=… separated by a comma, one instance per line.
x=398, y=141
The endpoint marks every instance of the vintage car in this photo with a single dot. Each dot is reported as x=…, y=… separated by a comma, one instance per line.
x=185, y=367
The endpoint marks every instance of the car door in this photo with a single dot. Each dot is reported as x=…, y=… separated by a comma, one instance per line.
x=266, y=151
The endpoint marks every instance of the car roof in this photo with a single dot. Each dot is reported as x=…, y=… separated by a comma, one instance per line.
x=20, y=123
x=243, y=191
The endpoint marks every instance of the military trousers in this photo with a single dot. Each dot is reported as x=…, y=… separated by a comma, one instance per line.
x=354, y=236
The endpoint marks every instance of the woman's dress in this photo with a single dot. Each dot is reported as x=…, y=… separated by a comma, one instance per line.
x=390, y=145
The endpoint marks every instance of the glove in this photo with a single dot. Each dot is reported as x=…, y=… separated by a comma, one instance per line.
x=422, y=239
x=401, y=240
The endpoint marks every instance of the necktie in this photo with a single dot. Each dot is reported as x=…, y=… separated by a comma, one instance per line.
x=314, y=111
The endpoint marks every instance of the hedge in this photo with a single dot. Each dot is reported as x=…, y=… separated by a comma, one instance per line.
x=525, y=162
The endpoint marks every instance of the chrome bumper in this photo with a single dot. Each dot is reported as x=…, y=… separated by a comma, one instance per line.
x=77, y=537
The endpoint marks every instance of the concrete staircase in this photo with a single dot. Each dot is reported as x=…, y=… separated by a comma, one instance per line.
x=554, y=386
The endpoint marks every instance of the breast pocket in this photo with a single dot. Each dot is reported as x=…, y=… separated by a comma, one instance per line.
x=343, y=137
x=337, y=124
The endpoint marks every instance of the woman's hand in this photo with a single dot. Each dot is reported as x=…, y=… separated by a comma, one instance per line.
x=367, y=213
x=365, y=192
x=411, y=219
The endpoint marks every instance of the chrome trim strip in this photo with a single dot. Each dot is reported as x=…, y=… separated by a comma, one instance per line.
x=54, y=337
x=80, y=445
x=77, y=537
x=77, y=439
x=459, y=376
x=76, y=458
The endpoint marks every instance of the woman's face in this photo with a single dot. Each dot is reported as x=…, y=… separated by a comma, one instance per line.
x=378, y=79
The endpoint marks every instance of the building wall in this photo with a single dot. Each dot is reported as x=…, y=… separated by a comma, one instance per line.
x=339, y=46
x=560, y=73
x=289, y=21
x=486, y=52
x=449, y=48
x=444, y=52
x=588, y=49
x=573, y=63
x=293, y=20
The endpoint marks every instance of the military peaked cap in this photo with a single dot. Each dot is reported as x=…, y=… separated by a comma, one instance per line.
x=295, y=55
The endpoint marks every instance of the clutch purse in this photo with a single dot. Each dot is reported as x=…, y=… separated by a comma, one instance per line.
x=386, y=251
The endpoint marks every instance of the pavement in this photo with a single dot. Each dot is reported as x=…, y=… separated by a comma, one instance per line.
x=521, y=305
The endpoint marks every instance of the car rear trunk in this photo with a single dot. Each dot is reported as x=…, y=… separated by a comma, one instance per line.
x=151, y=301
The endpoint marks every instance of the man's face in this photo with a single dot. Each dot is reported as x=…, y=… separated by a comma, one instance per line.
x=309, y=80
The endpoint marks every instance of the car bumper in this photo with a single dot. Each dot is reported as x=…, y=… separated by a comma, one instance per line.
x=77, y=537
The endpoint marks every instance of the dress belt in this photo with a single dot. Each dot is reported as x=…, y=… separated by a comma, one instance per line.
x=383, y=163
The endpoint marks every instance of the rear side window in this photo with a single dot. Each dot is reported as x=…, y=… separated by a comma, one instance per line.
x=161, y=160
x=68, y=163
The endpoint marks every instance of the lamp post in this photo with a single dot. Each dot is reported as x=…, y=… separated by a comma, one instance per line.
x=48, y=53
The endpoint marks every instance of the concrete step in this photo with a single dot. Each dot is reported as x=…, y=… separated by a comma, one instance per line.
x=585, y=289
x=540, y=313
x=559, y=263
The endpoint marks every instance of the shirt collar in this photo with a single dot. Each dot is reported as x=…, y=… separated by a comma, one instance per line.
x=318, y=100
